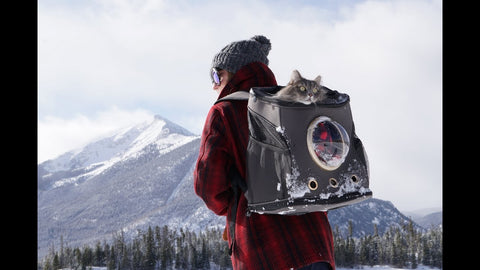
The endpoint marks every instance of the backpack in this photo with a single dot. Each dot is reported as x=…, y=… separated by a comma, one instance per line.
x=300, y=158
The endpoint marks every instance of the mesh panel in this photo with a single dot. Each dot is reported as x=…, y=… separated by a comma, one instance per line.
x=264, y=131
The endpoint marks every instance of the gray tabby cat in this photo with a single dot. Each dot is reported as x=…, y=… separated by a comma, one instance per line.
x=302, y=90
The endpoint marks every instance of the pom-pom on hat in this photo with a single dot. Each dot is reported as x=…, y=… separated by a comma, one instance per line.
x=239, y=53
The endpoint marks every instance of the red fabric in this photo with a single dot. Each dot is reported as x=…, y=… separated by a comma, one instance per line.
x=262, y=241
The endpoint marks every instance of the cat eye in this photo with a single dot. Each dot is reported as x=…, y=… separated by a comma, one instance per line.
x=315, y=90
x=215, y=77
x=302, y=88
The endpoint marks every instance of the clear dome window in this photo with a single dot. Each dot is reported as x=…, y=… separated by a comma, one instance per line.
x=328, y=143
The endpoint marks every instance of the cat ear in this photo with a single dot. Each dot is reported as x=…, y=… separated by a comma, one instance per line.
x=318, y=79
x=295, y=76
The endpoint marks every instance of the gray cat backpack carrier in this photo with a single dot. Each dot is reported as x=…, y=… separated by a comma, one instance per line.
x=301, y=158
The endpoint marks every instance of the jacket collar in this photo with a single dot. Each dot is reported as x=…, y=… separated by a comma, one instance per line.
x=255, y=74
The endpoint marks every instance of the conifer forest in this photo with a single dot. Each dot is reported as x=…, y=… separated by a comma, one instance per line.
x=162, y=248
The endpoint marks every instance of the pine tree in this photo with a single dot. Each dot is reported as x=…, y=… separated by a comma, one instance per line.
x=435, y=243
x=137, y=256
x=193, y=257
x=204, y=255
x=166, y=247
x=98, y=255
x=47, y=265
x=149, y=258
x=350, y=247
x=68, y=259
x=339, y=247
x=400, y=252
x=412, y=247
x=426, y=252
x=120, y=251
x=62, y=255
x=111, y=259
x=375, y=247
x=181, y=255
x=125, y=261
x=87, y=257
x=56, y=262
x=77, y=253
x=364, y=251
x=388, y=248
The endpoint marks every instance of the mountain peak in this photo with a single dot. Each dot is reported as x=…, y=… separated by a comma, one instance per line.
x=122, y=144
x=172, y=126
x=158, y=117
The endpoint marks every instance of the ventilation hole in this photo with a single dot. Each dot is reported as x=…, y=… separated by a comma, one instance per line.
x=312, y=184
x=354, y=178
x=333, y=182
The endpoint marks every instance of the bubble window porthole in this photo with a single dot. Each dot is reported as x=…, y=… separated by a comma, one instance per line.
x=327, y=142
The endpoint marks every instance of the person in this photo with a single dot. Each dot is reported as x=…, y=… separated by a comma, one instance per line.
x=260, y=241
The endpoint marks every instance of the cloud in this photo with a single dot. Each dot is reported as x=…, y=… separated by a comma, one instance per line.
x=57, y=135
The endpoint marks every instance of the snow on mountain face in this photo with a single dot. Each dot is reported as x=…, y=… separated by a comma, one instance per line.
x=143, y=176
x=122, y=144
x=127, y=143
x=365, y=214
x=133, y=178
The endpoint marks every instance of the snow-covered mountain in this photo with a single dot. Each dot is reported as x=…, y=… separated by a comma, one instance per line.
x=427, y=218
x=365, y=214
x=137, y=177
x=124, y=144
x=143, y=176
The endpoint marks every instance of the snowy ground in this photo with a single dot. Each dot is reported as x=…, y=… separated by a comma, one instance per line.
x=375, y=267
x=386, y=267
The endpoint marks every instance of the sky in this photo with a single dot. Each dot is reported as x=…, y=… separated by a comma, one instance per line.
x=108, y=64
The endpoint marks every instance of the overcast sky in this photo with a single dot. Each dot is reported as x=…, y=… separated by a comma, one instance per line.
x=106, y=64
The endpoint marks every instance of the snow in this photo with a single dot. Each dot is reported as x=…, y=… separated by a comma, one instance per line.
x=295, y=189
x=386, y=267
x=126, y=144
x=156, y=133
x=375, y=267
x=90, y=268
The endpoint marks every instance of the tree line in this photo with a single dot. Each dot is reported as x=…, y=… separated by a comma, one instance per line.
x=159, y=248
x=162, y=248
x=403, y=247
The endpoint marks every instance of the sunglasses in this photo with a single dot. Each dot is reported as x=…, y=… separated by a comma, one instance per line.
x=215, y=77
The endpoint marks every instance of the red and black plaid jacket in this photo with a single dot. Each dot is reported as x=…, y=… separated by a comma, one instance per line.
x=261, y=241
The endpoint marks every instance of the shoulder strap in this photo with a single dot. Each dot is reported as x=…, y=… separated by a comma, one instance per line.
x=239, y=95
x=238, y=186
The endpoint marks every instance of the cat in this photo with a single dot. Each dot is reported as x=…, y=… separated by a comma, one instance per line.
x=302, y=90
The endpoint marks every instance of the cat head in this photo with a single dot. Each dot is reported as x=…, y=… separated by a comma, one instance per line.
x=296, y=77
x=304, y=90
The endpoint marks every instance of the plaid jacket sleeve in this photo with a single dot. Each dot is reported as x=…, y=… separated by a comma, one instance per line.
x=210, y=180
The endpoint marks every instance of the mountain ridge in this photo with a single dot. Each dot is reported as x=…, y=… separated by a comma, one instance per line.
x=144, y=178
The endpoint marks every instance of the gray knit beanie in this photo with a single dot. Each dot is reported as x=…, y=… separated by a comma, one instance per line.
x=239, y=53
